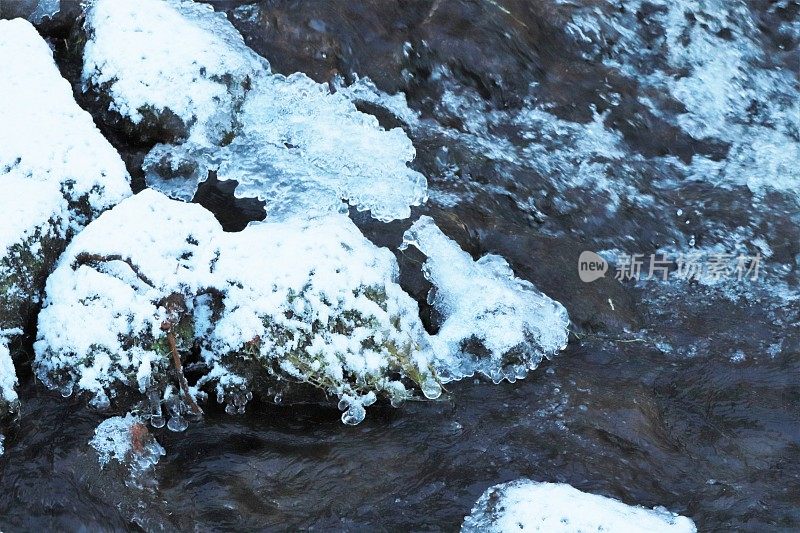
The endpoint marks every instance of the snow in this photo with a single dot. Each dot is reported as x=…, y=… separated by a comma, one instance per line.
x=310, y=301
x=46, y=136
x=482, y=300
x=8, y=383
x=56, y=169
x=525, y=505
x=286, y=140
x=8, y=377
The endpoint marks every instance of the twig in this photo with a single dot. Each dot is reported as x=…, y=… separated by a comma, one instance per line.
x=176, y=360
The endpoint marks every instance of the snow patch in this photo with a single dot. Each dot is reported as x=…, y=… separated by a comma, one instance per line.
x=46, y=136
x=525, y=505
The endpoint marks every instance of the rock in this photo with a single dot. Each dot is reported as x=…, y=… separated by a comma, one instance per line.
x=279, y=304
x=57, y=172
x=183, y=67
x=526, y=505
x=186, y=79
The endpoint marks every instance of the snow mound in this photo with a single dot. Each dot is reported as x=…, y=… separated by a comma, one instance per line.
x=287, y=140
x=525, y=505
x=312, y=302
x=492, y=321
x=127, y=441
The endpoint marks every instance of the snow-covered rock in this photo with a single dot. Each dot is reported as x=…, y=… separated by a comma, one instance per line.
x=278, y=303
x=8, y=382
x=186, y=77
x=57, y=172
x=525, y=505
x=492, y=322
x=183, y=67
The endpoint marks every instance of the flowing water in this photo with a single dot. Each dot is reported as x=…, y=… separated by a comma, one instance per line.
x=545, y=129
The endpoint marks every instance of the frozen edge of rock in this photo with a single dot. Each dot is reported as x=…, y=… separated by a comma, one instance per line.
x=302, y=301
x=493, y=322
x=286, y=140
x=525, y=505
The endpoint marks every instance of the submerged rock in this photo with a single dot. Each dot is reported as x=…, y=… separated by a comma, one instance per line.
x=289, y=141
x=525, y=505
x=57, y=172
x=310, y=302
x=491, y=321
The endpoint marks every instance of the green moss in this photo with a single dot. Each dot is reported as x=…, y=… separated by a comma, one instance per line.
x=23, y=274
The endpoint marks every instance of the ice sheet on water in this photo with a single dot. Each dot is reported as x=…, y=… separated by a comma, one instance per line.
x=286, y=140
x=311, y=301
x=493, y=322
x=44, y=8
x=525, y=505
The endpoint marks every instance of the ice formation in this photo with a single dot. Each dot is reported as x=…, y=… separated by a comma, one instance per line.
x=56, y=170
x=297, y=301
x=729, y=88
x=492, y=321
x=286, y=140
x=127, y=441
x=525, y=505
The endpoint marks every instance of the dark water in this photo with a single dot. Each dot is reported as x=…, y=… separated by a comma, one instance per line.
x=672, y=393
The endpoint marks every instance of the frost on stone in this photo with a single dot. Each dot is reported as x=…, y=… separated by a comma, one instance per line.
x=526, y=505
x=287, y=140
x=276, y=305
x=127, y=441
x=492, y=322
x=57, y=171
